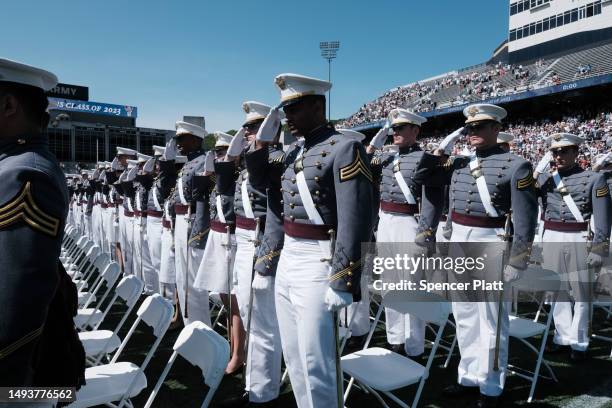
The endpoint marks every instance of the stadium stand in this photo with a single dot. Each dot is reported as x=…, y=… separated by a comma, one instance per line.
x=486, y=81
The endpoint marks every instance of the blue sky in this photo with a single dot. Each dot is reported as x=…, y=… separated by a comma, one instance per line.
x=175, y=58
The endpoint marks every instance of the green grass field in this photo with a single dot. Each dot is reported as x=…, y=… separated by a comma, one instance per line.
x=587, y=384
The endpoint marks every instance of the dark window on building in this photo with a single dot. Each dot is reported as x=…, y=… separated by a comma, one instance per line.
x=520, y=7
x=89, y=143
x=545, y=24
x=532, y=29
x=589, y=10
x=553, y=22
x=567, y=17
x=597, y=7
x=120, y=137
x=513, y=9
x=60, y=144
x=574, y=15
x=559, y=20
x=539, y=27
x=512, y=35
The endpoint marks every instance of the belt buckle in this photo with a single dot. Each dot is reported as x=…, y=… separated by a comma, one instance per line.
x=476, y=172
x=563, y=191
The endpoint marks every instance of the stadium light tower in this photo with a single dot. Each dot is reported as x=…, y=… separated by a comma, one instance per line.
x=329, y=49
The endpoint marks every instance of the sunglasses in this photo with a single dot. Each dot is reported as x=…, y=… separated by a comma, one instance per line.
x=476, y=127
x=561, y=151
x=252, y=127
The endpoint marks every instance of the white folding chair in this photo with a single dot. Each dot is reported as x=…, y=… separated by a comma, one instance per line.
x=120, y=381
x=96, y=264
x=77, y=262
x=98, y=343
x=380, y=370
x=202, y=347
x=89, y=317
x=534, y=279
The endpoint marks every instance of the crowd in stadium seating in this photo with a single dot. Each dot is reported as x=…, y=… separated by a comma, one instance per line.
x=530, y=135
x=481, y=84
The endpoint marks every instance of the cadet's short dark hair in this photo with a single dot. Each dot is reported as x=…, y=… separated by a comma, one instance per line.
x=32, y=99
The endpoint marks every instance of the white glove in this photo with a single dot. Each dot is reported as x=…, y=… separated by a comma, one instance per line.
x=544, y=163
x=594, y=260
x=170, y=150
x=123, y=176
x=336, y=300
x=95, y=174
x=449, y=141
x=380, y=138
x=236, y=145
x=512, y=273
x=131, y=175
x=261, y=282
x=601, y=160
x=115, y=165
x=209, y=162
x=149, y=166
x=269, y=127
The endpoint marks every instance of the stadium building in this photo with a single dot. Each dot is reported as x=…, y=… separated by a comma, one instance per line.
x=83, y=131
x=558, y=55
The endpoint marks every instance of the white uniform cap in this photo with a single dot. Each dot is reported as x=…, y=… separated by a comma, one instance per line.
x=255, y=111
x=143, y=158
x=223, y=139
x=125, y=151
x=131, y=164
x=602, y=160
x=484, y=111
x=293, y=87
x=505, y=137
x=84, y=172
x=351, y=134
x=186, y=128
x=158, y=150
x=400, y=116
x=180, y=159
x=18, y=73
x=107, y=165
x=557, y=140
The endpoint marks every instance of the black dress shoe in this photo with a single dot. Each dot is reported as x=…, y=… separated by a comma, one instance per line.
x=484, y=401
x=578, y=356
x=399, y=349
x=457, y=390
x=235, y=402
x=554, y=348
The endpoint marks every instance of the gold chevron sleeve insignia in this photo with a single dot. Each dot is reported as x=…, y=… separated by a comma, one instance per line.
x=346, y=271
x=24, y=208
x=602, y=192
x=356, y=167
x=525, y=182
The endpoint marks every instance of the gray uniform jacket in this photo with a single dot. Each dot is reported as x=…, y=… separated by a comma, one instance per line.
x=429, y=198
x=162, y=185
x=510, y=183
x=196, y=197
x=590, y=192
x=340, y=182
x=33, y=209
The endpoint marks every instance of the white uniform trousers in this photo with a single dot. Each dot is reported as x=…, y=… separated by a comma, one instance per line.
x=194, y=302
x=142, y=259
x=154, y=240
x=87, y=225
x=127, y=238
x=306, y=326
x=402, y=328
x=565, y=253
x=477, y=321
x=358, y=313
x=263, y=373
x=216, y=268
x=94, y=224
x=167, y=267
x=109, y=228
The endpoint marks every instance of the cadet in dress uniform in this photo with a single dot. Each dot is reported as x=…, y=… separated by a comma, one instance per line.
x=142, y=259
x=165, y=179
x=191, y=225
x=129, y=194
x=263, y=363
x=125, y=214
x=484, y=188
x=571, y=198
x=167, y=267
x=401, y=193
x=326, y=185
x=33, y=209
x=216, y=270
x=87, y=203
